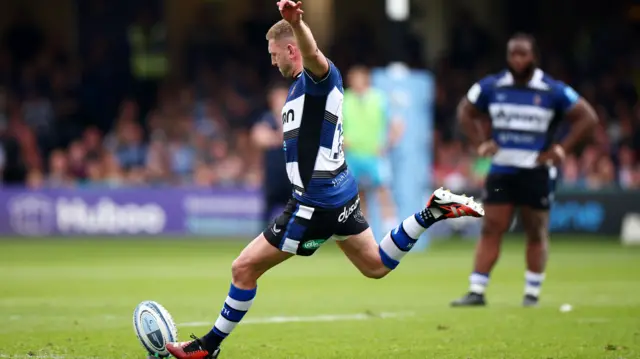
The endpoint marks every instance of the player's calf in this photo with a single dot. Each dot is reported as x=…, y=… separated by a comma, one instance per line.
x=442, y=205
x=258, y=257
x=496, y=223
x=535, y=223
x=376, y=261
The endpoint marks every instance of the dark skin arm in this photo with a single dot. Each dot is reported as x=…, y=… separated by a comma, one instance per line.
x=470, y=119
x=583, y=119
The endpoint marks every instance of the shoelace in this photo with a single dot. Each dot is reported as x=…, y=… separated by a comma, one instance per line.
x=194, y=346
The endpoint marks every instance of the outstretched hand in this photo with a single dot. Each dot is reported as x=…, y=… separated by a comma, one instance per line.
x=291, y=11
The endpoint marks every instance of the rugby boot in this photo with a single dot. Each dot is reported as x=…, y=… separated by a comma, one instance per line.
x=193, y=349
x=453, y=205
x=470, y=299
x=530, y=301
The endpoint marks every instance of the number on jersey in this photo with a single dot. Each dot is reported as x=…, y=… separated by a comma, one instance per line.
x=339, y=151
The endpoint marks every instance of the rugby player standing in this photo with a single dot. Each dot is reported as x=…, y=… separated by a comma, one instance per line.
x=525, y=106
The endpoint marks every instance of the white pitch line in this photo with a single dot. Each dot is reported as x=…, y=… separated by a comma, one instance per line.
x=310, y=319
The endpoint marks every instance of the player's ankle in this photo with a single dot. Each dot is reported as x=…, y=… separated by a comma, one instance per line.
x=478, y=282
x=210, y=341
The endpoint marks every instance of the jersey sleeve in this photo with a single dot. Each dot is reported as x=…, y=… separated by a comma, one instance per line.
x=480, y=93
x=321, y=87
x=567, y=97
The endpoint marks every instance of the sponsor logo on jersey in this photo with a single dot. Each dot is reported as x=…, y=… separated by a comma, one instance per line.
x=520, y=117
x=517, y=138
x=348, y=211
x=340, y=178
x=313, y=244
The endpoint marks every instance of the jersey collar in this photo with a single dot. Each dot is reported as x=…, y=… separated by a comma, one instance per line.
x=535, y=82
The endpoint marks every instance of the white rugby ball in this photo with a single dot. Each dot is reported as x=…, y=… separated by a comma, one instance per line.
x=154, y=327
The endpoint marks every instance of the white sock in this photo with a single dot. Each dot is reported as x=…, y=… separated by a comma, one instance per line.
x=398, y=242
x=478, y=282
x=533, y=283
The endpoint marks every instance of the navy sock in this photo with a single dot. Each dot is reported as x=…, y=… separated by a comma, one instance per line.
x=235, y=307
x=399, y=241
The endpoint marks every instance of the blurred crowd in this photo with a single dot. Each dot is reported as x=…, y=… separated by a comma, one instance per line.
x=89, y=120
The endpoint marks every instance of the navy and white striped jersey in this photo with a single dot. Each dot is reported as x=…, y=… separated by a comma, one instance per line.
x=312, y=125
x=524, y=118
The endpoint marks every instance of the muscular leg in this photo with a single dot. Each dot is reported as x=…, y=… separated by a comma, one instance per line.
x=363, y=251
x=376, y=261
x=497, y=220
x=536, y=224
x=257, y=257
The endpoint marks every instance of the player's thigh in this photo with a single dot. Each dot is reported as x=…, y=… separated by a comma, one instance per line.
x=537, y=189
x=361, y=249
x=497, y=220
x=258, y=257
x=355, y=238
x=499, y=200
x=535, y=223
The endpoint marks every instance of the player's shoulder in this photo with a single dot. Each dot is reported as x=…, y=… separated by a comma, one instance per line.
x=482, y=88
x=333, y=79
x=559, y=87
x=493, y=79
x=333, y=74
x=547, y=80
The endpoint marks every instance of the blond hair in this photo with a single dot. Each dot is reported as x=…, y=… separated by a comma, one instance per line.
x=280, y=30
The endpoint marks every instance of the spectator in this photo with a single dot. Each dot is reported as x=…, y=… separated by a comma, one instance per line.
x=59, y=175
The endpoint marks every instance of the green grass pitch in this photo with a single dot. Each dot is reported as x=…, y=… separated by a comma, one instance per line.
x=74, y=299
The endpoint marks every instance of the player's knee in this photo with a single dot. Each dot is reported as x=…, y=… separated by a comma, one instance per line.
x=536, y=230
x=243, y=272
x=376, y=273
x=375, y=270
x=537, y=236
x=494, y=228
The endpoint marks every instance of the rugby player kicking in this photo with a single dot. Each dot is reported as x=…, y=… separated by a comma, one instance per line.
x=324, y=203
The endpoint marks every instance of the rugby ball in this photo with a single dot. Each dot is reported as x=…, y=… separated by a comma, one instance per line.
x=154, y=327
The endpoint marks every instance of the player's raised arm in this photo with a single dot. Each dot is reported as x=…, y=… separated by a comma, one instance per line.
x=314, y=61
